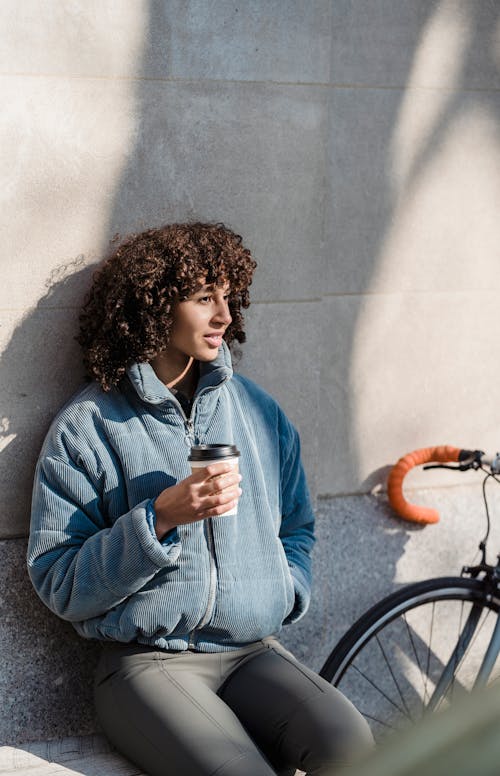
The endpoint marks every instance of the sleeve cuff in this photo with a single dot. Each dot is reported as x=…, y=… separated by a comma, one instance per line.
x=161, y=553
x=171, y=537
x=302, y=596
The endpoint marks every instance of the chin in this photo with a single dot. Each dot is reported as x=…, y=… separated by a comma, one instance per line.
x=208, y=356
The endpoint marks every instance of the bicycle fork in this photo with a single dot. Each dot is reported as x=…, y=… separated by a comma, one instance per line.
x=458, y=653
x=490, y=657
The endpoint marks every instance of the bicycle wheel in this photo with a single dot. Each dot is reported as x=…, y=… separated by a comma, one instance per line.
x=415, y=650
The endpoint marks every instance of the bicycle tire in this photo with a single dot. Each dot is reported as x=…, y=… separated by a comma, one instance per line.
x=386, y=650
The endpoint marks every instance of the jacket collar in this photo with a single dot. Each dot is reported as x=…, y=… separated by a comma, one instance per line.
x=151, y=389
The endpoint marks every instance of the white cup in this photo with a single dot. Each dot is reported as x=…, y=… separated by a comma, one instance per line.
x=204, y=455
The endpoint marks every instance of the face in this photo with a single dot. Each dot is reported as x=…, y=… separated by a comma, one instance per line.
x=199, y=324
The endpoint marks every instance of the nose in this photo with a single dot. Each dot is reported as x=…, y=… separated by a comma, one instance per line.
x=222, y=316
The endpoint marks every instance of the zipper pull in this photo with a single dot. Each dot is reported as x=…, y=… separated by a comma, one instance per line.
x=189, y=438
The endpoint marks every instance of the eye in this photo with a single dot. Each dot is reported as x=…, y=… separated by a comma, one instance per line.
x=204, y=299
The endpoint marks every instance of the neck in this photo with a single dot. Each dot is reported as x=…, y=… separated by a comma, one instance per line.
x=181, y=377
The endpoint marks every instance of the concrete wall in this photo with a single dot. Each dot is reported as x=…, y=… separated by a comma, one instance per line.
x=355, y=145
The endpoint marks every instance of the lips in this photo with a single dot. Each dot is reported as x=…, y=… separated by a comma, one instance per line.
x=214, y=340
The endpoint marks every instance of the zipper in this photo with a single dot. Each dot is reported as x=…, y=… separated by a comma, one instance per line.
x=190, y=439
x=190, y=436
x=209, y=533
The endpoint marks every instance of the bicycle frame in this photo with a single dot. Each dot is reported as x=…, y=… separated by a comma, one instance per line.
x=439, y=457
x=490, y=657
x=403, y=657
x=458, y=653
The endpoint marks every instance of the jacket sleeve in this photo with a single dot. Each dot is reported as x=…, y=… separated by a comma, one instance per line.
x=297, y=522
x=80, y=566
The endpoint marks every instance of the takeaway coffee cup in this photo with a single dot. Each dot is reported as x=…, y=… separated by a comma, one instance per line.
x=203, y=455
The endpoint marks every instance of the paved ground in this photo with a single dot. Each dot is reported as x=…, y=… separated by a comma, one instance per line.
x=74, y=756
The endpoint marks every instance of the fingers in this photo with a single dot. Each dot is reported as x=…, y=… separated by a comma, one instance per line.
x=211, y=491
x=223, y=497
x=222, y=494
x=220, y=505
x=217, y=511
x=222, y=482
x=215, y=469
x=215, y=478
x=208, y=492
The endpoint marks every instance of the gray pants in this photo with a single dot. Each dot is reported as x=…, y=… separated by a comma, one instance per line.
x=255, y=711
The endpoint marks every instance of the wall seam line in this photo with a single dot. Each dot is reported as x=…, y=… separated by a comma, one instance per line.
x=240, y=82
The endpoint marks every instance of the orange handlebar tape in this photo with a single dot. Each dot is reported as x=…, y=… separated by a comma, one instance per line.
x=412, y=512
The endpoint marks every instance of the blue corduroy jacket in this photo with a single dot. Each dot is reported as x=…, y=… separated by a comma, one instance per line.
x=213, y=585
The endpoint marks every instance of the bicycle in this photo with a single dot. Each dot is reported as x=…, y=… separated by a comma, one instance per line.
x=403, y=658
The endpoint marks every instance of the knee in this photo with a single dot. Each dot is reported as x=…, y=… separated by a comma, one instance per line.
x=329, y=730
x=244, y=764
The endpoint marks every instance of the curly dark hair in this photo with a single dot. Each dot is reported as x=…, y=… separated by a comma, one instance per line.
x=127, y=313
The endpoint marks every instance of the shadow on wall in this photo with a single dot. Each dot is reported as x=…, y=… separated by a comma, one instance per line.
x=40, y=651
x=437, y=255
x=45, y=363
x=42, y=341
x=168, y=157
x=415, y=190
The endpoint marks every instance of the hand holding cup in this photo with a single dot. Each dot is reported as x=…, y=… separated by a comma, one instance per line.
x=211, y=490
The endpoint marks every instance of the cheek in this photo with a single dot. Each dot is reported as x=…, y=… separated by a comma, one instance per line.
x=189, y=322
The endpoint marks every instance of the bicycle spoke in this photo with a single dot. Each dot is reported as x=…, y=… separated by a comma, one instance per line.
x=406, y=656
x=389, y=667
x=458, y=659
x=377, y=720
x=378, y=689
x=457, y=663
x=410, y=636
x=428, y=665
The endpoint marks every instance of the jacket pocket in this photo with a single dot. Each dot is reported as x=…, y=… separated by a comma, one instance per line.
x=288, y=585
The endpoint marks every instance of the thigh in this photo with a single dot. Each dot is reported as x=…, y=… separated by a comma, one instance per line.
x=296, y=717
x=163, y=717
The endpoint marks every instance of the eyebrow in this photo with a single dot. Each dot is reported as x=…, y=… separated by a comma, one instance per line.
x=212, y=287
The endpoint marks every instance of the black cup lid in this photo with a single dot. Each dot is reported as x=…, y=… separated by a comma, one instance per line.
x=209, y=452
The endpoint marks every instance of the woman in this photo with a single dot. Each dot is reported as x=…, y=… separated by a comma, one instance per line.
x=137, y=552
